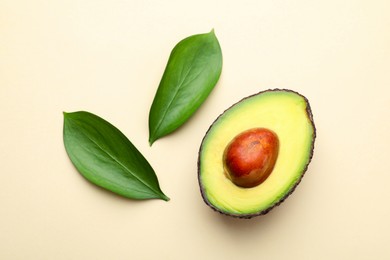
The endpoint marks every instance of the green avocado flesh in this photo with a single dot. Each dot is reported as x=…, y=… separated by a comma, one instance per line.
x=285, y=112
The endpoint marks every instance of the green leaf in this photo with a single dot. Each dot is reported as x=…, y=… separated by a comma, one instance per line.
x=192, y=72
x=105, y=157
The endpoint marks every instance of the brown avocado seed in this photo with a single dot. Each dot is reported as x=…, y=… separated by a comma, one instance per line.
x=250, y=157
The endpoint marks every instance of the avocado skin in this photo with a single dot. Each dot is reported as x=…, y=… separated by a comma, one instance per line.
x=263, y=212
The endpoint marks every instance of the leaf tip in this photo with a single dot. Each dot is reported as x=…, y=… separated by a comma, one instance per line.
x=165, y=197
x=151, y=141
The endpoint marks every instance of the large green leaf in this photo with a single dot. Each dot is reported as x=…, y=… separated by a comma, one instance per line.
x=193, y=70
x=105, y=157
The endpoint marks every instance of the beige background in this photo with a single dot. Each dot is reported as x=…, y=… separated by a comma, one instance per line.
x=107, y=57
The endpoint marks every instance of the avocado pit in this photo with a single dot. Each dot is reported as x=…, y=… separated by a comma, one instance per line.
x=250, y=157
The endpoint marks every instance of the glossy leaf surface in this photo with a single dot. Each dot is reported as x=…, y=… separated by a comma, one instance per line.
x=105, y=157
x=193, y=70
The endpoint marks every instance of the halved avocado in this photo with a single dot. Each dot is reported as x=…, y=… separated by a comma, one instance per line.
x=284, y=112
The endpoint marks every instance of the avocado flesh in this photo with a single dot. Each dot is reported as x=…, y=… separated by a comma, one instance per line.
x=285, y=112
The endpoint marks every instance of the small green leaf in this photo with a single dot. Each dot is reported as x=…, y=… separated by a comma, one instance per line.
x=193, y=70
x=105, y=157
